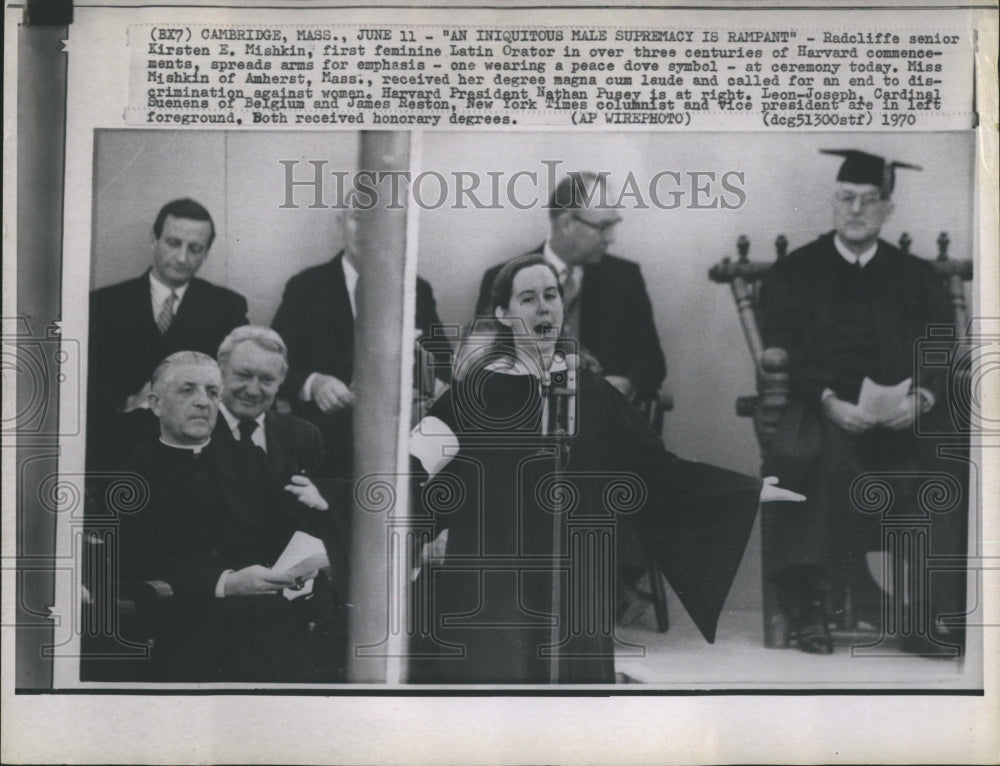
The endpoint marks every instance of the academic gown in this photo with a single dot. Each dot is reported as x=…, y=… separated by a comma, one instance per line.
x=839, y=324
x=510, y=497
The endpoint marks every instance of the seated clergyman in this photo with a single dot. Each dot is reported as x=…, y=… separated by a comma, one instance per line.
x=212, y=528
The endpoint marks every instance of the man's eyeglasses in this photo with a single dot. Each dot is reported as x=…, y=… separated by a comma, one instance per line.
x=866, y=200
x=601, y=227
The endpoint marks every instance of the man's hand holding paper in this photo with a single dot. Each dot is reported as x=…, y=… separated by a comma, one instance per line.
x=301, y=560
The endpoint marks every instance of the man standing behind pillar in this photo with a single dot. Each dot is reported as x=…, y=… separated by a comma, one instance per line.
x=316, y=320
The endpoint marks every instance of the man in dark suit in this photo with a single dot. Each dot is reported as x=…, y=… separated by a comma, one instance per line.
x=316, y=320
x=850, y=309
x=212, y=528
x=137, y=323
x=606, y=304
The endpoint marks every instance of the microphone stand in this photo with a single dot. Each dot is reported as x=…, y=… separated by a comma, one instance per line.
x=558, y=422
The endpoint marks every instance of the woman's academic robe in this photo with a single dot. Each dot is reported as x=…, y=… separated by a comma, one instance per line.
x=526, y=590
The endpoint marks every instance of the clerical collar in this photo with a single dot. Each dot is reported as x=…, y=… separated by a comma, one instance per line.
x=559, y=264
x=850, y=257
x=161, y=291
x=193, y=448
x=234, y=422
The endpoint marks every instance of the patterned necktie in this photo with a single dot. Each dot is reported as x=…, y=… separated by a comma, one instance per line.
x=571, y=290
x=166, y=316
x=571, y=304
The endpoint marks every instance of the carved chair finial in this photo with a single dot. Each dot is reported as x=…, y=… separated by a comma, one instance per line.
x=905, y=242
x=743, y=247
x=942, y=242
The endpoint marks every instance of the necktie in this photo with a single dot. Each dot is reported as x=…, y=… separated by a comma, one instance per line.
x=166, y=316
x=571, y=304
x=252, y=463
x=246, y=429
x=571, y=290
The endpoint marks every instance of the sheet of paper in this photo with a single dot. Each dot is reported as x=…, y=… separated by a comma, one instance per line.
x=691, y=110
x=303, y=555
x=879, y=402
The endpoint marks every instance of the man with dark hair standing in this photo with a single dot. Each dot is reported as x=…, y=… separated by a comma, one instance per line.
x=136, y=323
x=849, y=309
x=607, y=306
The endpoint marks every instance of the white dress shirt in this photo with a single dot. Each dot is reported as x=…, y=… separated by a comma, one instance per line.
x=562, y=268
x=259, y=438
x=853, y=258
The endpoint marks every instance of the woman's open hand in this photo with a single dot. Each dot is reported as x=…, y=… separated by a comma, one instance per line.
x=771, y=492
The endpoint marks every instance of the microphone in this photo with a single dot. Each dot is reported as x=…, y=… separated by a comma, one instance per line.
x=562, y=388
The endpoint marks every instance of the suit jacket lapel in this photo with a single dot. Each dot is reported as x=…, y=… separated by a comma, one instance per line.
x=592, y=295
x=278, y=459
x=189, y=307
x=340, y=306
x=142, y=306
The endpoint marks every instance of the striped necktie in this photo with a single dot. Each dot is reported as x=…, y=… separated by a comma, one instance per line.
x=166, y=317
x=571, y=304
x=571, y=290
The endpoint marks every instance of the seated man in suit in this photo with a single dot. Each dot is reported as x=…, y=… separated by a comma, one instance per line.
x=849, y=307
x=316, y=319
x=253, y=361
x=607, y=307
x=136, y=323
x=211, y=529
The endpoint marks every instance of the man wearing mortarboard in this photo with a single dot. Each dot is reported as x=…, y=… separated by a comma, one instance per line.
x=846, y=307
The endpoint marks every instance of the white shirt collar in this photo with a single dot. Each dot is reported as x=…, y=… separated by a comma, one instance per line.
x=233, y=422
x=160, y=292
x=560, y=265
x=351, y=280
x=850, y=257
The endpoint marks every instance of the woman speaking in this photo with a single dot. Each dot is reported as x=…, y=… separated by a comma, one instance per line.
x=531, y=461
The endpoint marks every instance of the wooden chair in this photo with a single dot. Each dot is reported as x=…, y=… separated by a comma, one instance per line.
x=745, y=278
x=119, y=620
